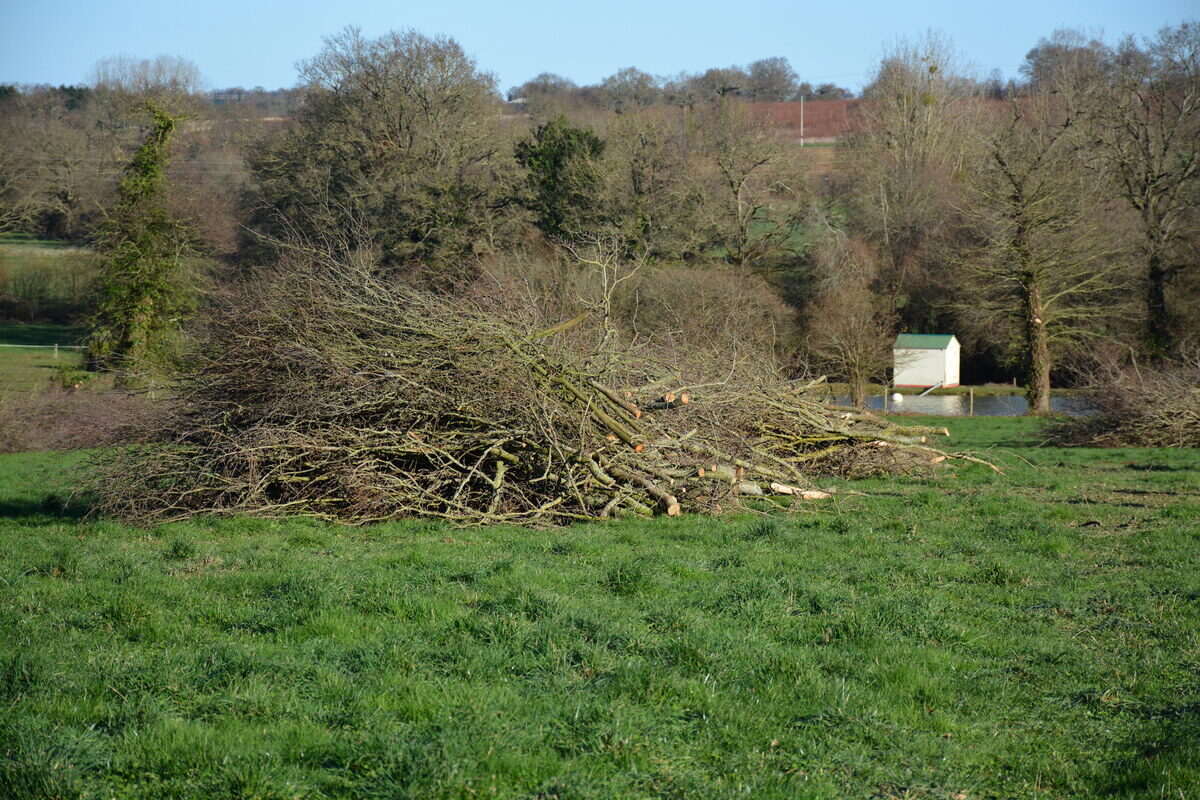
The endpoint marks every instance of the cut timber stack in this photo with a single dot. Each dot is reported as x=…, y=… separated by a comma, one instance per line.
x=338, y=396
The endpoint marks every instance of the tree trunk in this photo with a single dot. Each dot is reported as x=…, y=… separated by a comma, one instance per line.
x=858, y=392
x=1158, y=327
x=1037, y=381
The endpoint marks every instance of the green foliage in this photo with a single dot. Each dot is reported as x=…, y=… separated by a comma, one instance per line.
x=564, y=182
x=399, y=146
x=75, y=97
x=71, y=376
x=1000, y=636
x=142, y=293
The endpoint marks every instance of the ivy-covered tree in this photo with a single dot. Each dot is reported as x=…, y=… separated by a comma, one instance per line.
x=142, y=292
x=564, y=181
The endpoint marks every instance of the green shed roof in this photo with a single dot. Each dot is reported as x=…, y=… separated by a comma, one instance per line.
x=923, y=341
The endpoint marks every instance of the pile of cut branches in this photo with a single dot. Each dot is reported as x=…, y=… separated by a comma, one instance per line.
x=1138, y=407
x=339, y=396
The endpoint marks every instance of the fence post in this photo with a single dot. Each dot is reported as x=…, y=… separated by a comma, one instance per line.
x=971, y=402
x=56, y=349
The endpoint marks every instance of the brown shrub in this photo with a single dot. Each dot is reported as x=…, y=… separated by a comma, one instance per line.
x=1138, y=407
x=60, y=419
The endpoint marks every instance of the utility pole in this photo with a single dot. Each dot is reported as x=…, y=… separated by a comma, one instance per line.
x=802, y=120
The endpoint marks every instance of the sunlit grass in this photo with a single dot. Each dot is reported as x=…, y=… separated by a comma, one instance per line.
x=1026, y=635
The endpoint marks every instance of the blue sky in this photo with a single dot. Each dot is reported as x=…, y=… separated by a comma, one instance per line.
x=252, y=43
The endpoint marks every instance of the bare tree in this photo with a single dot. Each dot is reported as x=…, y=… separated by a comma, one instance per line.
x=720, y=82
x=756, y=185
x=772, y=79
x=1068, y=55
x=901, y=166
x=1044, y=264
x=1146, y=136
x=403, y=132
x=58, y=165
x=682, y=90
x=545, y=95
x=164, y=74
x=630, y=88
x=545, y=83
x=849, y=332
x=648, y=191
x=124, y=84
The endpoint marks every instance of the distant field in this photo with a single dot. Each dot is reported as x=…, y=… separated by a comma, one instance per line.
x=24, y=368
x=43, y=279
x=47, y=333
x=1029, y=635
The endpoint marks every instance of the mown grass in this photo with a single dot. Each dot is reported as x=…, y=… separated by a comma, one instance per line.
x=25, y=367
x=1027, y=635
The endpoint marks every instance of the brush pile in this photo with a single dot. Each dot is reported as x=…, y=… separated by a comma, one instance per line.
x=348, y=398
x=1138, y=407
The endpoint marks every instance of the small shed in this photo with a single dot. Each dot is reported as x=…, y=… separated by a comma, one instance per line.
x=925, y=359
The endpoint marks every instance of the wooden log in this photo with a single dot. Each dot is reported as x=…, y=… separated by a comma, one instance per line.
x=563, y=326
x=668, y=501
x=621, y=403
x=669, y=400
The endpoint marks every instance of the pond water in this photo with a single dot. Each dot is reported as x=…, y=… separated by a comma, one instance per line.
x=955, y=405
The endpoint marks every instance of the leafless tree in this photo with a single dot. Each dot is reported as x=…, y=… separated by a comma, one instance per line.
x=1066, y=56
x=164, y=74
x=849, y=332
x=402, y=131
x=901, y=167
x=630, y=88
x=721, y=82
x=58, y=166
x=1045, y=263
x=772, y=79
x=756, y=183
x=124, y=84
x=1145, y=130
x=648, y=189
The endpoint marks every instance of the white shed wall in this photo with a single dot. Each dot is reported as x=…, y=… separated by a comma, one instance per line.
x=952, y=361
x=918, y=367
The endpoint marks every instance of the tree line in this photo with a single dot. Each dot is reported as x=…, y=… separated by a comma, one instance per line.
x=1048, y=221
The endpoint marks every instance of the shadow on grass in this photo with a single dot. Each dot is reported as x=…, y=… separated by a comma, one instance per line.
x=38, y=509
x=1161, y=756
x=41, y=334
x=1158, y=468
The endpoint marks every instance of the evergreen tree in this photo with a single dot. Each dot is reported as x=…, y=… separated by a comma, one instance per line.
x=564, y=181
x=141, y=292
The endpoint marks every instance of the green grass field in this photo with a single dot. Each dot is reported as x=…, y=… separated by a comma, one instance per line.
x=1034, y=634
x=25, y=367
x=43, y=278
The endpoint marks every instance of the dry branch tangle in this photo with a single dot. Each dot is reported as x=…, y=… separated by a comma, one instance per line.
x=339, y=396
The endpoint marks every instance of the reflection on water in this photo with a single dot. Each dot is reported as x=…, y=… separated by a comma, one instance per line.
x=955, y=405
